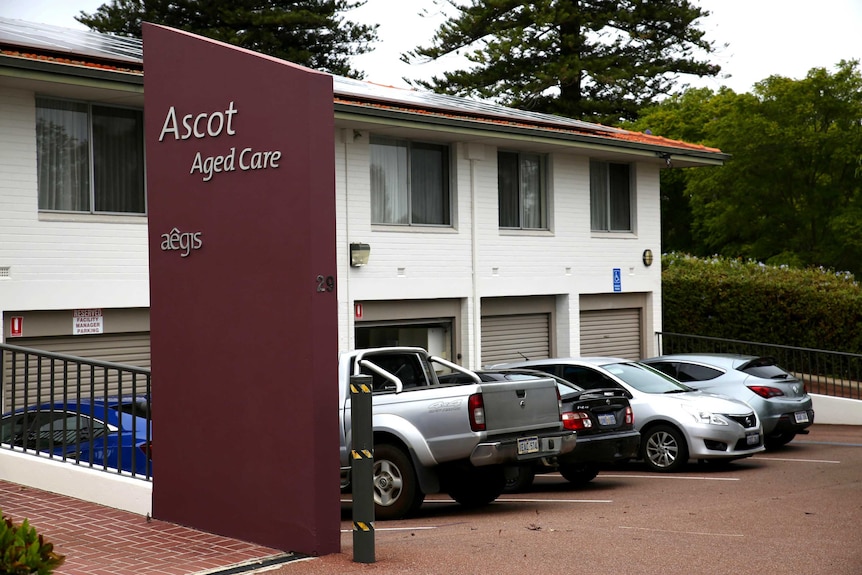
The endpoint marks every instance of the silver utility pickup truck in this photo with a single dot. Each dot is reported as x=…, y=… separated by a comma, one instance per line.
x=461, y=438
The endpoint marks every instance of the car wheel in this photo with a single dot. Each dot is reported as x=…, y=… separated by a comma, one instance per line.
x=663, y=448
x=396, y=487
x=579, y=474
x=778, y=440
x=476, y=486
x=522, y=479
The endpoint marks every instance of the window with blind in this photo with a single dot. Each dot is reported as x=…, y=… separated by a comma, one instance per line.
x=610, y=197
x=90, y=157
x=410, y=183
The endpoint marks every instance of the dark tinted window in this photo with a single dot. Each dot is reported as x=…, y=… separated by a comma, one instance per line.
x=406, y=367
x=694, y=372
x=44, y=427
x=765, y=367
x=666, y=367
x=586, y=377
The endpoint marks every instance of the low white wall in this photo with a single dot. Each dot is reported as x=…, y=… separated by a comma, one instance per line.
x=83, y=483
x=836, y=410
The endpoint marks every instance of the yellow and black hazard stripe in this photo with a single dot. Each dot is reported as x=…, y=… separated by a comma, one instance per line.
x=364, y=526
x=362, y=454
x=362, y=388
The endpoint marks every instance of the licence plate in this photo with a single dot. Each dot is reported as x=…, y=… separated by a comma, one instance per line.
x=528, y=445
x=801, y=416
x=607, y=419
x=752, y=438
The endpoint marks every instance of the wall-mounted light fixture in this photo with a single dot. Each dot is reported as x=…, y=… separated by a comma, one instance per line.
x=359, y=254
x=647, y=257
x=666, y=157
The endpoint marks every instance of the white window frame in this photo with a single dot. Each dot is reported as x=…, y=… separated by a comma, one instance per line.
x=605, y=207
x=86, y=189
x=526, y=219
x=401, y=208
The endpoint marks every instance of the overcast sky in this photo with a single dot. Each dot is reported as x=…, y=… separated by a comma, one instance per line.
x=764, y=37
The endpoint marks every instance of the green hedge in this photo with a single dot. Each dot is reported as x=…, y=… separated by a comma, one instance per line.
x=747, y=300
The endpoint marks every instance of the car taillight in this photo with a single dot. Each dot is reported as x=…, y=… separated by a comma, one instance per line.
x=576, y=420
x=476, y=408
x=765, y=391
x=630, y=416
x=147, y=448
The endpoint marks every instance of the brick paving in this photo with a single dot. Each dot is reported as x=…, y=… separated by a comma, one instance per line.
x=99, y=540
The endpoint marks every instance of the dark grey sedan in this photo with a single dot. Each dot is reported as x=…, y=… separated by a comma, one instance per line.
x=778, y=397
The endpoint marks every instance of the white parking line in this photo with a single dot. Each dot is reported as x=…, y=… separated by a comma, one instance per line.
x=396, y=529
x=519, y=500
x=800, y=460
x=707, y=533
x=554, y=500
x=663, y=476
x=516, y=500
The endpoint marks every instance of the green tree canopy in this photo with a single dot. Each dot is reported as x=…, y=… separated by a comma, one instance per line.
x=313, y=33
x=792, y=191
x=597, y=60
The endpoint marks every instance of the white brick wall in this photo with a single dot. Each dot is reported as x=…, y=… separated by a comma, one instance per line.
x=59, y=262
x=65, y=262
x=417, y=263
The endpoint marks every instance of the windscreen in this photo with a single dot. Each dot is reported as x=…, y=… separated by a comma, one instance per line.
x=645, y=379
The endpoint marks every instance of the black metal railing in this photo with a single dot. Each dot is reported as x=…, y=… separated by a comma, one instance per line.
x=88, y=412
x=825, y=372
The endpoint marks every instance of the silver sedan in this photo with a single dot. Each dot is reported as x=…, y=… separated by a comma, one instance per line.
x=676, y=422
x=780, y=400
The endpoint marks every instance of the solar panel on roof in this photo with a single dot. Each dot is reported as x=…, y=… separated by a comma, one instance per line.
x=56, y=39
x=432, y=100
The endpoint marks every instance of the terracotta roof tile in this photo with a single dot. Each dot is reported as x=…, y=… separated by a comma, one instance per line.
x=69, y=61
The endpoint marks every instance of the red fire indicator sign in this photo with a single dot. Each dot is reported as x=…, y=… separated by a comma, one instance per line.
x=16, y=328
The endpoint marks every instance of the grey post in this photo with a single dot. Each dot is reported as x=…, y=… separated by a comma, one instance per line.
x=362, y=468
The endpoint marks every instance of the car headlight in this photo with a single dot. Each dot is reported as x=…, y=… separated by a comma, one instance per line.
x=703, y=416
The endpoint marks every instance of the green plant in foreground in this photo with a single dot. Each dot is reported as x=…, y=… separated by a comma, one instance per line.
x=23, y=551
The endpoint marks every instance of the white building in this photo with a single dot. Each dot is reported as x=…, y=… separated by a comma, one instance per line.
x=491, y=233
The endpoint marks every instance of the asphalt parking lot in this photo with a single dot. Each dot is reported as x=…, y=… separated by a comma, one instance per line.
x=795, y=510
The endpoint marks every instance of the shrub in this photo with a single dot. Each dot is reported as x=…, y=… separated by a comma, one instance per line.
x=23, y=551
x=748, y=300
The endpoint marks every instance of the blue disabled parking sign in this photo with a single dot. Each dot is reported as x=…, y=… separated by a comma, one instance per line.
x=618, y=280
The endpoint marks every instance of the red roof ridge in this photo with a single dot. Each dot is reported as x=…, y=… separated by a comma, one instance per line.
x=68, y=61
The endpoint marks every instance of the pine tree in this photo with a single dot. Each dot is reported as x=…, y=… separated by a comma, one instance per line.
x=313, y=33
x=598, y=60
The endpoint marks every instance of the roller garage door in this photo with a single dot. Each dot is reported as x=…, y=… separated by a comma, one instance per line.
x=128, y=348
x=124, y=348
x=611, y=333
x=515, y=337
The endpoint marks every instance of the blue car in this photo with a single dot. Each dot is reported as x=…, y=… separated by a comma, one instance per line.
x=109, y=433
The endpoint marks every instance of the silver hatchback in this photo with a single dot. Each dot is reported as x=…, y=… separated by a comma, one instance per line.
x=779, y=398
x=676, y=422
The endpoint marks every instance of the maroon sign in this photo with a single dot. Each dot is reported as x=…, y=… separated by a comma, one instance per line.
x=241, y=205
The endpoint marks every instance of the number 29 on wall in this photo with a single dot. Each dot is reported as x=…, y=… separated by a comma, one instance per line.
x=325, y=283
